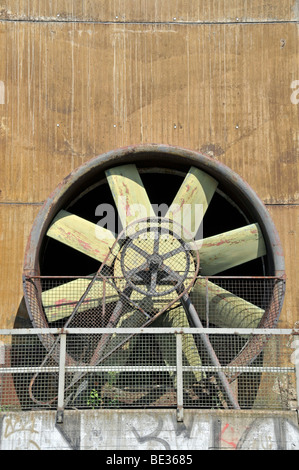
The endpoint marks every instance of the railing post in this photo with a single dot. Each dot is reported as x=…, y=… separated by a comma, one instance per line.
x=2, y=364
x=296, y=355
x=207, y=301
x=61, y=379
x=179, y=377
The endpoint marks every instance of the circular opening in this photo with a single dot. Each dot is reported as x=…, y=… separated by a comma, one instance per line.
x=162, y=171
x=223, y=214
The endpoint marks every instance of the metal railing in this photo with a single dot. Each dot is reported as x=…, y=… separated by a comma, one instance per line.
x=147, y=368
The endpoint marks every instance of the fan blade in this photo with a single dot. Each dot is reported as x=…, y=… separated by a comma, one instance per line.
x=225, y=309
x=129, y=194
x=82, y=235
x=120, y=346
x=173, y=318
x=192, y=199
x=230, y=249
x=59, y=302
x=177, y=318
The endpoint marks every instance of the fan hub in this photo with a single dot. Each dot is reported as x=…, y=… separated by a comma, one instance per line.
x=154, y=260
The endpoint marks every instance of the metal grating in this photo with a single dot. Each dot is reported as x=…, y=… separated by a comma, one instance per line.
x=129, y=346
x=67, y=300
x=106, y=302
x=149, y=370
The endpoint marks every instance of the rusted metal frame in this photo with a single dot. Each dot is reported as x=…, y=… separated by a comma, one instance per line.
x=104, y=301
x=194, y=319
x=256, y=344
x=66, y=324
x=118, y=309
x=269, y=320
x=282, y=277
x=117, y=312
x=109, y=279
x=96, y=359
x=40, y=369
x=48, y=341
x=167, y=306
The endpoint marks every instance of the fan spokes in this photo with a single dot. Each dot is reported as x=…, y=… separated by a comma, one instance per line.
x=217, y=253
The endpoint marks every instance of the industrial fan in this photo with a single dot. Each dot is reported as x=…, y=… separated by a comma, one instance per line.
x=177, y=220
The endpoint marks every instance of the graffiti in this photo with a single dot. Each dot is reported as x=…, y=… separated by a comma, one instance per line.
x=14, y=429
x=263, y=434
x=16, y=424
x=231, y=442
x=153, y=436
x=125, y=431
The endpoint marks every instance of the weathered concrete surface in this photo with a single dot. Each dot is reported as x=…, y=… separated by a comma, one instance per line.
x=149, y=430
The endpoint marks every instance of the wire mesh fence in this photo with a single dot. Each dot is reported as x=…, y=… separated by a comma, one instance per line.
x=91, y=301
x=143, y=368
x=130, y=340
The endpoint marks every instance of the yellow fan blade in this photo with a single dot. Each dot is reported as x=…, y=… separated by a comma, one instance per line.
x=129, y=194
x=192, y=200
x=229, y=249
x=83, y=236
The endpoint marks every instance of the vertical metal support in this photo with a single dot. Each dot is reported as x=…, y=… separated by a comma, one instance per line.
x=207, y=302
x=296, y=355
x=103, y=302
x=195, y=320
x=2, y=364
x=179, y=377
x=61, y=380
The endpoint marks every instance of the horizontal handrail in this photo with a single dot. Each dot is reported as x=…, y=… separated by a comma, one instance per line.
x=149, y=330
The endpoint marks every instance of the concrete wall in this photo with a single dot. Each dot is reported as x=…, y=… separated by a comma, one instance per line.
x=150, y=430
